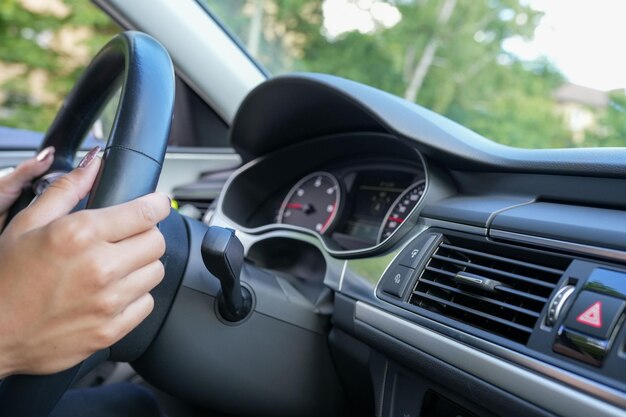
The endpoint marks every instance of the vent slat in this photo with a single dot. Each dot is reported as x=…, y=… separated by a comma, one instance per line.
x=477, y=313
x=513, y=309
x=509, y=290
x=525, y=294
x=495, y=271
x=481, y=298
x=503, y=259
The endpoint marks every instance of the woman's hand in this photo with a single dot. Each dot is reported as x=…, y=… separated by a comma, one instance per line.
x=11, y=184
x=72, y=284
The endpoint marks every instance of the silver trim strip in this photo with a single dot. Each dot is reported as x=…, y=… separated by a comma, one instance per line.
x=547, y=393
x=444, y=224
x=343, y=274
x=559, y=244
x=493, y=215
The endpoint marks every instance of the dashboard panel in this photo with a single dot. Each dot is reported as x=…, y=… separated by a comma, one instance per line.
x=478, y=286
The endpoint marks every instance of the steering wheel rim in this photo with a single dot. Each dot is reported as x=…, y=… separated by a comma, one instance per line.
x=131, y=165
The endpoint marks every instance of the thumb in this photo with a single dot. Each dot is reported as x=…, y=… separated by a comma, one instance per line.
x=12, y=184
x=62, y=195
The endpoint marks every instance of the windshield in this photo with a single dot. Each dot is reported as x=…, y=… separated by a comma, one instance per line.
x=526, y=73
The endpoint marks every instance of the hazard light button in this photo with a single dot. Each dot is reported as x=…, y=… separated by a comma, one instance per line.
x=595, y=314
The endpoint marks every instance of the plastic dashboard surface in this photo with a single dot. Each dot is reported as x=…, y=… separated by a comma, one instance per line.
x=546, y=204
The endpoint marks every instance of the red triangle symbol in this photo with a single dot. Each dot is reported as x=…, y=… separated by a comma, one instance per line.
x=592, y=316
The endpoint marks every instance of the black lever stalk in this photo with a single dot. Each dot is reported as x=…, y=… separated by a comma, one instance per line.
x=222, y=253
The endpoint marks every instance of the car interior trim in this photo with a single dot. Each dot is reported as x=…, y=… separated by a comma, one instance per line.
x=559, y=244
x=444, y=224
x=335, y=273
x=523, y=382
x=223, y=75
x=342, y=276
x=493, y=215
x=418, y=232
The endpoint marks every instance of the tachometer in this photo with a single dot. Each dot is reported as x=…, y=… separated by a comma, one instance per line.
x=401, y=207
x=312, y=203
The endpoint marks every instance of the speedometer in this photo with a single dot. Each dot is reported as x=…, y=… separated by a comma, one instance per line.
x=401, y=208
x=312, y=203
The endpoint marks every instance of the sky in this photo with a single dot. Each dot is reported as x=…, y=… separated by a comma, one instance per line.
x=584, y=39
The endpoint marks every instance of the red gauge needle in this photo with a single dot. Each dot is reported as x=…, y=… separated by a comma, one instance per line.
x=306, y=208
x=396, y=219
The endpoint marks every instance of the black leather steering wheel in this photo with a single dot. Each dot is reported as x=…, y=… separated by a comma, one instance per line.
x=131, y=166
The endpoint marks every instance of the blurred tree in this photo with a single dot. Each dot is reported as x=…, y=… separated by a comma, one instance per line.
x=611, y=129
x=44, y=46
x=446, y=55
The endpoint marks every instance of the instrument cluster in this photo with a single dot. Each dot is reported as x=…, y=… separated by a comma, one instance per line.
x=356, y=207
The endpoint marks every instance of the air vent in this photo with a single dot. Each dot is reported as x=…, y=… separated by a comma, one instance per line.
x=454, y=284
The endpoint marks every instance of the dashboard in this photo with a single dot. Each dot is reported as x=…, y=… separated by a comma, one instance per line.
x=446, y=275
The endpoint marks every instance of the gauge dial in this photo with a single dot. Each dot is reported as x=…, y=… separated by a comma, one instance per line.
x=312, y=203
x=400, y=209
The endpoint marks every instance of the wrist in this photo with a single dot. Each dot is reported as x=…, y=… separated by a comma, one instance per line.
x=6, y=364
x=8, y=357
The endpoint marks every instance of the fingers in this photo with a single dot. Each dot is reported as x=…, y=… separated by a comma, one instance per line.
x=139, y=250
x=127, y=320
x=11, y=185
x=125, y=220
x=63, y=194
x=135, y=285
x=28, y=170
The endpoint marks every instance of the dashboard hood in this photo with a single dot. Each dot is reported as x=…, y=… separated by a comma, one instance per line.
x=293, y=108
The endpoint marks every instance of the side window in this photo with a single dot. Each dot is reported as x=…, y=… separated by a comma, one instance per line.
x=44, y=46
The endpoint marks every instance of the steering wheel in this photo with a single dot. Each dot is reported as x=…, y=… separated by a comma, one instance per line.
x=131, y=166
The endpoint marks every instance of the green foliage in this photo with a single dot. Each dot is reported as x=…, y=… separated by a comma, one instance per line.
x=468, y=77
x=512, y=104
x=471, y=79
x=611, y=129
x=31, y=40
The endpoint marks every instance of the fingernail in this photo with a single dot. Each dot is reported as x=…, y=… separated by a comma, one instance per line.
x=45, y=153
x=168, y=197
x=87, y=159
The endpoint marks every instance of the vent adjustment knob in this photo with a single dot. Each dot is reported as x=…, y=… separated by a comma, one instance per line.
x=557, y=303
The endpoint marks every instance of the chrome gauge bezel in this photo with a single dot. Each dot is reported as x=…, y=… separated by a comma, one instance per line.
x=264, y=231
x=395, y=203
